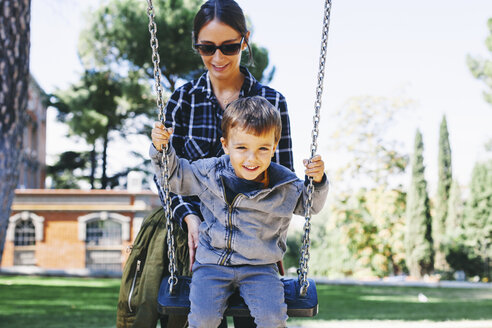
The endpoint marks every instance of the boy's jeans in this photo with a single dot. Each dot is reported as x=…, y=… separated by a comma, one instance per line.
x=259, y=286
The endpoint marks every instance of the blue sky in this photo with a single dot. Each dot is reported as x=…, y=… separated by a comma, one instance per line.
x=378, y=48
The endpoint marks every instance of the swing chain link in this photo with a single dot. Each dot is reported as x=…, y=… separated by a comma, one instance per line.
x=154, y=44
x=302, y=271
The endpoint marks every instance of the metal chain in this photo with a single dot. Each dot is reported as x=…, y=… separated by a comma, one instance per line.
x=302, y=271
x=154, y=44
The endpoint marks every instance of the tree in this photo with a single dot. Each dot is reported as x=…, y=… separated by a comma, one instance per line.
x=101, y=104
x=117, y=35
x=15, y=17
x=368, y=156
x=418, y=235
x=478, y=215
x=459, y=254
x=65, y=173
x=454, y=221
x=443, y=189
x=369, y=225
x=387, y=207
x=367, y=212
x=475, y=215
x=482, y=68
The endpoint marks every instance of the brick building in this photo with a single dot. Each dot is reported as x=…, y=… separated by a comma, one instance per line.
x=73, y=231
x=33, y=165
x=67, y=231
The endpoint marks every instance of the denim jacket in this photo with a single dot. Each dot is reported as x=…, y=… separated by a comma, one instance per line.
x=252, y=227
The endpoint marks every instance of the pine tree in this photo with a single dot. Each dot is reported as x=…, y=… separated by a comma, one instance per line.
x=418, y=236
x=443, y=187
x=478, y=214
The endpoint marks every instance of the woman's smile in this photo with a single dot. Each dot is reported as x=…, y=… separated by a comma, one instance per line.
x=220, y=68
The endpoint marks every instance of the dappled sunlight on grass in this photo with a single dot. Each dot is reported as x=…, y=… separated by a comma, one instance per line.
x=53, y=281
x=402, y=303
x=58, y=302
x=377, y=298
x=78, y=302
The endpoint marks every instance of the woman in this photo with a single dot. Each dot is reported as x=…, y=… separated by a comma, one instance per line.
x=195, y=109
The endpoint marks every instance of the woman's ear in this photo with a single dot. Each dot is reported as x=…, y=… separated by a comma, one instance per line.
x=224, y=145
x=246, y=39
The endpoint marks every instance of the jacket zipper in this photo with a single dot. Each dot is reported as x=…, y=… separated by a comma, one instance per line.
x=229, y=220
x=133, y=286
x=229, y=238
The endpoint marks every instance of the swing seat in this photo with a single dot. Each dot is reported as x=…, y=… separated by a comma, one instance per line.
x=179, y=302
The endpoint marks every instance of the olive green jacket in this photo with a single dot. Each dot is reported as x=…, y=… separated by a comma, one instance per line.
x=144, y=269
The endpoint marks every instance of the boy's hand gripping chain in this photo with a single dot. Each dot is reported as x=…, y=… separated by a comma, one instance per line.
x=302, y=271
x=154, y=44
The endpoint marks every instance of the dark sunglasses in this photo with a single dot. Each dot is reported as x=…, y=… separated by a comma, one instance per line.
x=229, y=49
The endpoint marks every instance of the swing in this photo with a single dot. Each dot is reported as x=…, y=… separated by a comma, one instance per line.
x=300, y=294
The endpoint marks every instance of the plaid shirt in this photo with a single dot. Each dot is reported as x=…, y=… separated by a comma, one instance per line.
x=195, y=115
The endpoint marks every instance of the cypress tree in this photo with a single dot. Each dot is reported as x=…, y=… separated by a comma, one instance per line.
x=442, y=199
x=454, y=220
x=478, y=214
x=418, y=235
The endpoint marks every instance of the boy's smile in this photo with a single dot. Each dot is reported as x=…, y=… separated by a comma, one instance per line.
x=250, y=154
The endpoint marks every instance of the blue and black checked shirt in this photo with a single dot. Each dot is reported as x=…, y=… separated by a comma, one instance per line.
x=195, y=115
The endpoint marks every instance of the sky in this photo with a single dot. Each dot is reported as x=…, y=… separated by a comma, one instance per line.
x=378, y=48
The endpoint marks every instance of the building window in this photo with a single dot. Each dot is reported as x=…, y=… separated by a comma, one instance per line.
x=25, y=233
x=24, y=243
x=24, y=230
x=103, y=234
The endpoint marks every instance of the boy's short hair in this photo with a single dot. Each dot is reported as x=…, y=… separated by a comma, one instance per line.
x=255, y=115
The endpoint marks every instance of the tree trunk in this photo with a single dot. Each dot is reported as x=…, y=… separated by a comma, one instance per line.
x=93, y=166
x=104, y=178
x=14, y=79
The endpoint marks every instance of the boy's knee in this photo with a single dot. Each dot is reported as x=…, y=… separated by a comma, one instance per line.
x=204, y=320
x=272, y=316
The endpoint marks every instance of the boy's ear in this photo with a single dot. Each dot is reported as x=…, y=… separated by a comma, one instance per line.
x=224, y=145
x=275, y=148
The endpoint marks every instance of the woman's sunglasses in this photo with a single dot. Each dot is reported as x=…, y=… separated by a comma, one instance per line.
x=229, y=49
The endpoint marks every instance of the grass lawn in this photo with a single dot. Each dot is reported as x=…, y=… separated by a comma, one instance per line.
x=75, y=302
x=58, y=302
x=401, y=303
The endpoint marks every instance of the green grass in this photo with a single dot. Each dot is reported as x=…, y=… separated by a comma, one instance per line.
x=401, y=303
x=75, y=302
x=58, y=302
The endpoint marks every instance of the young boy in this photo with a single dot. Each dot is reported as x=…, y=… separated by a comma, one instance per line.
x=247, y=203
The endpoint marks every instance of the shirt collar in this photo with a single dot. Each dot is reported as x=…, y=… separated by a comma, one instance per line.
x=249, y=82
